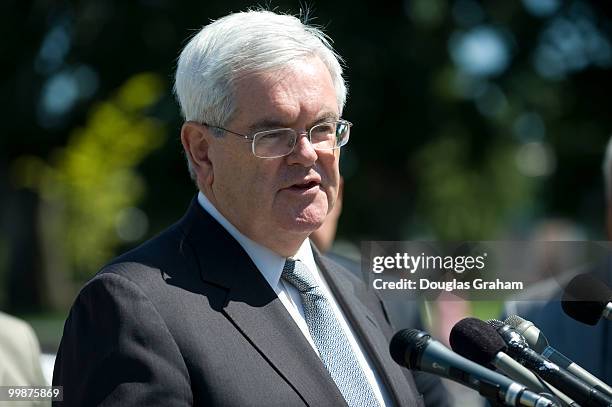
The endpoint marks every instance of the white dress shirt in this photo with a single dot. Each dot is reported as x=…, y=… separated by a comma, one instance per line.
x=270, y=265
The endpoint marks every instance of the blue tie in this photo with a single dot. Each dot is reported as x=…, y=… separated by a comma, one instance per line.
x=329, y=338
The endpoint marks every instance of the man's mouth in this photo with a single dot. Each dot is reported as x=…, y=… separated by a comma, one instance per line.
x=304, y=186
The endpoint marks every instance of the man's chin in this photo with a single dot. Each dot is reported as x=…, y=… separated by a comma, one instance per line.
x=301, y=227
x=305, y=222
x=301, y=217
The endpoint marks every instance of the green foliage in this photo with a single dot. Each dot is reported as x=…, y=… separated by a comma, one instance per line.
x=485, y=310
x=460, y=200
x=90, y=180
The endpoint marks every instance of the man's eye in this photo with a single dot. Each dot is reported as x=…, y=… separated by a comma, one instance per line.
x=324, y=129
x=272, y=136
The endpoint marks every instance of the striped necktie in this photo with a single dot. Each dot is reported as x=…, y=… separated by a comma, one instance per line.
x=329, y=337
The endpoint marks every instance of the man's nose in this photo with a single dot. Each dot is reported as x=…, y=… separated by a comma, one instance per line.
x=304, y=152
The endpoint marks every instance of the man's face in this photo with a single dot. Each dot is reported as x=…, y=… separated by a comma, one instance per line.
x=279, y=200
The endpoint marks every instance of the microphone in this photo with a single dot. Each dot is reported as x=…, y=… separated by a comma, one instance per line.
x=582, y=393
x=478, y=341
x=587, y=299
x=416, y=350
x=538, y=342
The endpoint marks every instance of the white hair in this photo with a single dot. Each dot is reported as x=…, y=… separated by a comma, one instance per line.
x=241, y=44
x=607, y=171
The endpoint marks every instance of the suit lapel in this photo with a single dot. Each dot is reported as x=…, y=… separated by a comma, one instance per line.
x=276, y=336
x=251, y=305
x=369, y=332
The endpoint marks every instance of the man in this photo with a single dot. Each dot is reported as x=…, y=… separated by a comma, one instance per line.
x=19, y=357
x=231, y=306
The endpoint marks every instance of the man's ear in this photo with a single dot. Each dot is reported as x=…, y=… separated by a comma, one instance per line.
x=196, y=143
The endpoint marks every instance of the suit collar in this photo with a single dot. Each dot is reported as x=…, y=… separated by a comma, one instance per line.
x=212, y=223
x=269, y=263
x=216, y=250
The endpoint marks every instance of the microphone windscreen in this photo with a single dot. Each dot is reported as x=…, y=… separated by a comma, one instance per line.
x=515, y=321
x=476, y=340
x=495, y=323
x=406, y=345
x=585, y=297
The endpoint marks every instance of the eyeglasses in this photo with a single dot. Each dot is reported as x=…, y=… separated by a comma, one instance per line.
x=329, y=135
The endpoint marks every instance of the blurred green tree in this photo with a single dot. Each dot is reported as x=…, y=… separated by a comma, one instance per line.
x=90, y=183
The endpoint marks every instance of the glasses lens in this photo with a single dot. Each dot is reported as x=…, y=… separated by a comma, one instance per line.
x=327, y=136
x=273, y=143
x=280, y=142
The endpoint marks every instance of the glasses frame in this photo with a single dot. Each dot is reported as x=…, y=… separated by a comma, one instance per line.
x=307, y=133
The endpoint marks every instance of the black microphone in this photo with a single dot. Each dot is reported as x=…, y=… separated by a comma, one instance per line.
x=480, y=342
x=538, y=342
x=579, y=391
x=587, y=299
x=416, y=350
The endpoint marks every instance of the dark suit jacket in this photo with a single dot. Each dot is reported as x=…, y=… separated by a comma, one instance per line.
x=187, y=319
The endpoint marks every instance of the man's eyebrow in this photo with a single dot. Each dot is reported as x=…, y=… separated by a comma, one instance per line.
x=269, y=123
x=325, y=117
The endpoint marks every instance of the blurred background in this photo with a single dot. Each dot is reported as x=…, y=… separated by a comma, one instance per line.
x=472, y=121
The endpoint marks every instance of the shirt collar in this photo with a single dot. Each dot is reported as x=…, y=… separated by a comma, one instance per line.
x=269, y=263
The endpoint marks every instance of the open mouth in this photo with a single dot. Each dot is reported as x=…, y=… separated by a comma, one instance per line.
x=304, y=186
